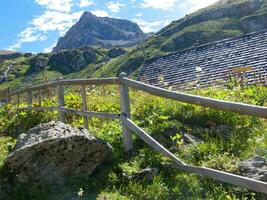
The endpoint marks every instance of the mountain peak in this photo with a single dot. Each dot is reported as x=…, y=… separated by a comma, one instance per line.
x=87, y=15
x=105, y=32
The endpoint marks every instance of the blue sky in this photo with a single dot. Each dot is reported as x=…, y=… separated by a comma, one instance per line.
x=36, y=25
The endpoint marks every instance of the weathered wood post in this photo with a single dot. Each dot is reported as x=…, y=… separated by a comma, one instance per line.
x=18, y=100
x=60, y=95
x=84, y=101
x=29, y=97
x=39, y=98
x=8, y=90
x=125, y=110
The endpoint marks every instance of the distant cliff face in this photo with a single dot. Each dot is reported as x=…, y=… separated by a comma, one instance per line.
x=100, y=31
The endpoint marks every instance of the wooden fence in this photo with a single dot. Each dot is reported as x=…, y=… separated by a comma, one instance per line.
x=128, y=125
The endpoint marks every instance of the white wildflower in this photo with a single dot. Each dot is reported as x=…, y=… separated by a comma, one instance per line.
x=80, y=192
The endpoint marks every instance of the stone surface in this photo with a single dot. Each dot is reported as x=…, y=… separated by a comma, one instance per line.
x=100, y=31
x=191, y=139
x=38, y=63
x=255, y=168
x=54, y=151
x=73, y=60
x=222, y=130
x=146, y=174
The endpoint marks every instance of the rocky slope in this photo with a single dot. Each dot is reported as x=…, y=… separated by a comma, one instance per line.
x=100, y=31
x=66, y=61
x=224, y=19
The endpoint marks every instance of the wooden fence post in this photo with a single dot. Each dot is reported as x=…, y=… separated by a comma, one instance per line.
x=39, y=98
x=8, y=90
x=18, y=100
x=84, y=101
x=29, y=97
x=60, y=95
x=125, y=110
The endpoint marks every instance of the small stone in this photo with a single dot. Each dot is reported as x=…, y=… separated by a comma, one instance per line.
x=146, y=174
x=191, y=139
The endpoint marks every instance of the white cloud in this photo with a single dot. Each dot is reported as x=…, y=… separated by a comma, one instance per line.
x=56, y=17
x=26, y=36
x=114, y=6
x=148, y=27
x=100, y=13
x=50, y=48
x=159, y=4
x=139, y=15
x=57, y=5
x=85, y=3
x=195, y=5
x=55, y=21
x=14, y=47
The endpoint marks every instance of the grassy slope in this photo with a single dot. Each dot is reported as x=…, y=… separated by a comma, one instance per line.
x=186, y=32
x=163, y=119
x=19, y=77
x=4, y=52
x=200, y=27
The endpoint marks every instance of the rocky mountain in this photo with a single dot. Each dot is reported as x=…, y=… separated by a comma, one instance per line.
x=71, y=60
x=100, y=31
x=224, y=19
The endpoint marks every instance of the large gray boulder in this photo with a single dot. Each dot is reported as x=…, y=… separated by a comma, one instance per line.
x=54, y=151
x=255, y=168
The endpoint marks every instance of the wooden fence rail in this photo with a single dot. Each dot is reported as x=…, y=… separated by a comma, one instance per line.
x=128, y=126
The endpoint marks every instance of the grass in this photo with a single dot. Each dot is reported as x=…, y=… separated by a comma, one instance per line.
x=162, y=119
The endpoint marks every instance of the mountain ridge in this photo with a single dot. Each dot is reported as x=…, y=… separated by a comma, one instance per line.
x=105, y=32
x=204, y=26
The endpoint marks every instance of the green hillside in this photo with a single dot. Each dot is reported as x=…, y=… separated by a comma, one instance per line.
x=34, y=69
x=226, y=18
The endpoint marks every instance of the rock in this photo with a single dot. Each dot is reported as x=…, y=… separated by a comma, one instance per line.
x=165, y=137
x=255, y=168
x=115, y=52
x=73, y=60
x=38, y=63
x=191, y=139
x=28, y=55
x=222, y=130
x=146, y=174
x=100, y=31
x=54, y=151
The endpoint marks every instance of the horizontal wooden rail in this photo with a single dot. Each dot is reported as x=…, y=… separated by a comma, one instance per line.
x=240, y=108
x=33, y=88
x=255, y=185
x=100, y=81
x=39, y=108
x=237, y=180
x=74, y=111
x=90, y=114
